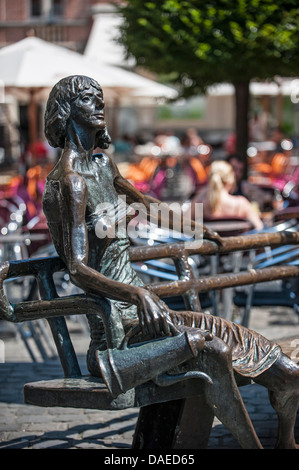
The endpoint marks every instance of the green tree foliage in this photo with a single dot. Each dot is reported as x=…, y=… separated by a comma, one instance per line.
x=197, y=43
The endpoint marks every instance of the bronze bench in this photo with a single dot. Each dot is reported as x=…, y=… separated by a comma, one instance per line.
x=165, y=412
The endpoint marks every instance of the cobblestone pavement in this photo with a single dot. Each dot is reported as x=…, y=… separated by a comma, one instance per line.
x=30, y=427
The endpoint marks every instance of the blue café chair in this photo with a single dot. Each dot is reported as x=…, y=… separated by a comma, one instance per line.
x=277, y=293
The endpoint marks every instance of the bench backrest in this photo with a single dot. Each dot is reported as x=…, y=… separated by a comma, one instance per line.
x=187, y=286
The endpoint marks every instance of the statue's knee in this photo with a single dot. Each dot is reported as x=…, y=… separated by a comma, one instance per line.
x=219, y=350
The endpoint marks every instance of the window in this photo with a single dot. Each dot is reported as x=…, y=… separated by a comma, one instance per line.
x=36, y=8
x=57, y=7
x=46, y=8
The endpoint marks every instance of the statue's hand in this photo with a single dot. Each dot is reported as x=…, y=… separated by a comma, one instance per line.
x=7, y=313
x=209, y=234
x=154, y=318
x=6, y=309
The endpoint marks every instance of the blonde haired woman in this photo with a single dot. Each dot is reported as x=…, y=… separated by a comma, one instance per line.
x=217, y=198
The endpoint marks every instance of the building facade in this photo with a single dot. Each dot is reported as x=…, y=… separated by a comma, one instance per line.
x=64, y=22
x=81, y=25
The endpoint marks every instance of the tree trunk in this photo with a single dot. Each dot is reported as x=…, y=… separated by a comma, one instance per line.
x=242, y=97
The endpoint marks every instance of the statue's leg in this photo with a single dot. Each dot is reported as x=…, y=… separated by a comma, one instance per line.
x=215, y=359
x=223, y=395
x=286, y=406
x=282, y=381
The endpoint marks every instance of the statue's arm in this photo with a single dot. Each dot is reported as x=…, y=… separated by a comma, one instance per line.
x=153, y=208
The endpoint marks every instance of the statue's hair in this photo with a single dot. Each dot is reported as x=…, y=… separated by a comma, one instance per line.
x=58, y=110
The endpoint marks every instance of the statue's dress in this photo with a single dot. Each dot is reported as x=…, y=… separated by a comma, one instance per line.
x=252, y=353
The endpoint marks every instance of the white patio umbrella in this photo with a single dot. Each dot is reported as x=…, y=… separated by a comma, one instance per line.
x=33, y=64
x=283, y=86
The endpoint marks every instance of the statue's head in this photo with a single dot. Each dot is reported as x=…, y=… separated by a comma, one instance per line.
x=58, y=110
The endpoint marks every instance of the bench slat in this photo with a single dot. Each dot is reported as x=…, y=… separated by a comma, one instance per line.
x=91, y=392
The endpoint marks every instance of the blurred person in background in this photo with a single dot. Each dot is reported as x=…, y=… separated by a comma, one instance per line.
x=243, y=187
x=258, y=127
x=197, y=153
x=218, y=200
x=277, y=136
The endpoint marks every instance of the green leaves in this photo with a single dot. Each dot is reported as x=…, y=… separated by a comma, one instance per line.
x=202, y=50
x=237, y=31
x=142, y=22
x=213, y=40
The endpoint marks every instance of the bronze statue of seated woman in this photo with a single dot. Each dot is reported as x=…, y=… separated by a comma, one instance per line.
x=78, y=190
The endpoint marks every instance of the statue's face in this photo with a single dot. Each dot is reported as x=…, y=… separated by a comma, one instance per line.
x=88, y=109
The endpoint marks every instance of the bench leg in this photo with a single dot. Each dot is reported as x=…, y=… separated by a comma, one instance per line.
x=177, y=424
x=195, y=424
